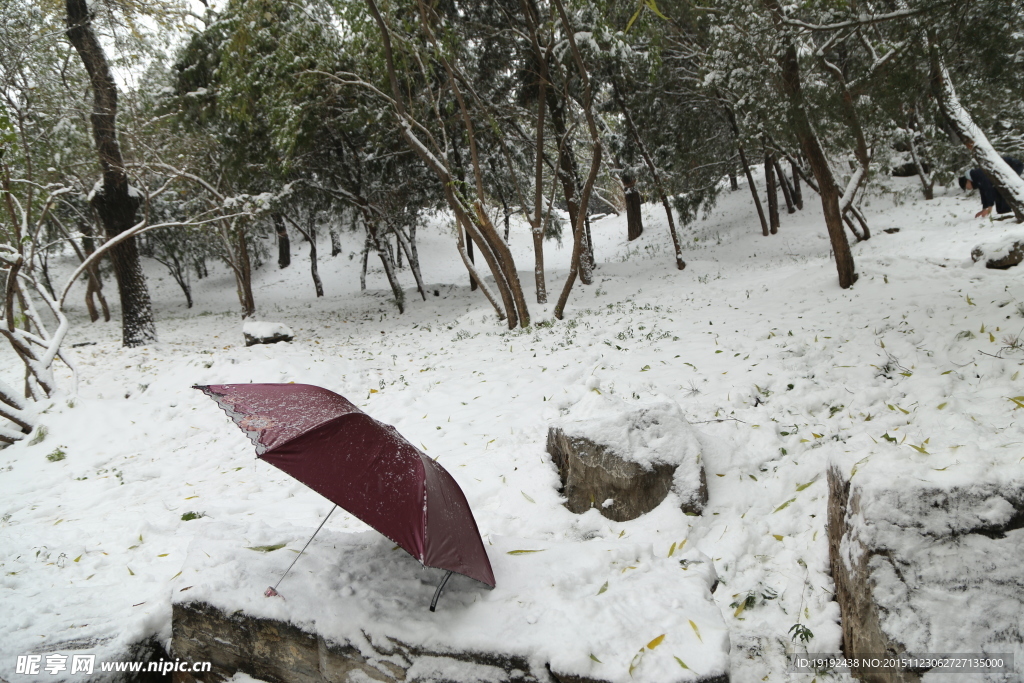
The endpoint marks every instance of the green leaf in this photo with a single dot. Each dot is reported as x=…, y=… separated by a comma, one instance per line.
x=266, y=548
x=523, y=552
x=596, y=659
x=942, y=405
x=637, y=658
x=801, y=487
x=527, y=497
x=784, y=505
x=696, y=630
x=672, y=549
x=680, y=662
x=858, y=464
x=653, y=6
x=130, y=571
x=77, y=558
x=603, y=588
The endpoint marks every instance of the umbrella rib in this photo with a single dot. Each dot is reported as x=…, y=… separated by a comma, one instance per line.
x=304, y=547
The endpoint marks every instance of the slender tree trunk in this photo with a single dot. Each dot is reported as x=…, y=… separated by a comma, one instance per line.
x=568, y=173
x=414, y=265
x=655, y=174
x=634, y=216
x=733, y=182
x=530, y=13
x=595, y=165
x=753, y=191
x=309, y=234
x=787, y=191
x=244, y=273
x=367, y=244
x=798, y=197
x=773, y=195
x=813, y=151
x=373, y=231
x=284, y=245
x=335, y=242
x=116, y=202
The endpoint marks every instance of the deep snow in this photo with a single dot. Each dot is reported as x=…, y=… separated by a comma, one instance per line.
x=777, y=368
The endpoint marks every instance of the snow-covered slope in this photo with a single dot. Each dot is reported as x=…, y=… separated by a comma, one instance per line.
x=776, y=367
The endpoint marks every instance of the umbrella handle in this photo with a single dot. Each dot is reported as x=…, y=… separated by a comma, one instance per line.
x=440, y=587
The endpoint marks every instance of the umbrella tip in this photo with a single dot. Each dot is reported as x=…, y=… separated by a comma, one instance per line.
x=271, y=593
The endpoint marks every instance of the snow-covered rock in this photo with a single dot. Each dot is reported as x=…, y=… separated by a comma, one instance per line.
x=624, y=459
x=595, y=610
x=925, y=568
x=260, y=332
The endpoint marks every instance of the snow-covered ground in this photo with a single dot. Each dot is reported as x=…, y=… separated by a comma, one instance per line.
x=777, y=368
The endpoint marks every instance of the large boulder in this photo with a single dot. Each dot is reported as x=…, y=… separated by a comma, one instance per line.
x=926, y=567
x=624, y=459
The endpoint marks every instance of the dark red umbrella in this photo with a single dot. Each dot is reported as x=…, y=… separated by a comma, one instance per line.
x=364, y=466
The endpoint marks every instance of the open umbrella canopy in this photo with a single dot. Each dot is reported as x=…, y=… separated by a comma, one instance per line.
x=364, y=466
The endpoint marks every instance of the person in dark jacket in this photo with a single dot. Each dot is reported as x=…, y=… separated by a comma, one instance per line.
x=990, y=196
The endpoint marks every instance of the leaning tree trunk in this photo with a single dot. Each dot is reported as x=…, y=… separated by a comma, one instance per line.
x=1004, y=179
x=812, y=149
x=568, y=174
x=658, y=184
x=787, y=190
x=309, y=234
x=115, y=202
x=579, y=232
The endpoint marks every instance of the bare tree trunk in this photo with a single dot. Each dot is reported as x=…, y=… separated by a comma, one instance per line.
x=798, y=197
x=659, y=186
x=634, y=216
x=567, y=172
x=813, y=151
x=309, y=234
x=244, y=272
x=733, y=182
x=1009, y=185
x=773, y=195
x=595, y=164
x=414, y=265
x=787, y=191
x=335, y=243
x=366, y=258
x=284, y=245
x=753, y=191
x=376, y=239
x=536, y=220
x=116, y=203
